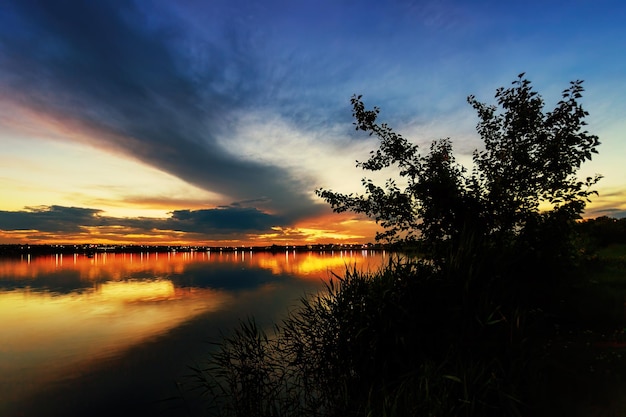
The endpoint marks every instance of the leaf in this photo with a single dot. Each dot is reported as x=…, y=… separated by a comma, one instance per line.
x=453, y=378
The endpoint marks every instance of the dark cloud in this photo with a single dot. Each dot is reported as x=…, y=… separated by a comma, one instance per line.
x=222, y=219
x=118, y=70
x=49, y=219
x=210, y=223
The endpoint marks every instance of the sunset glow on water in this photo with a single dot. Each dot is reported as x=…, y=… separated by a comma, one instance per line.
x=63, y=315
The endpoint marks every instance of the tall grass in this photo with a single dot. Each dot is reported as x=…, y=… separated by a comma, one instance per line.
x=405, y=340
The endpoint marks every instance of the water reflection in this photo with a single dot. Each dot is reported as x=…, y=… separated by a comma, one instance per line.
x=61, y=313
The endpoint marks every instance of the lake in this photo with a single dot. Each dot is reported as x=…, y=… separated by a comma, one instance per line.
x=114, y=333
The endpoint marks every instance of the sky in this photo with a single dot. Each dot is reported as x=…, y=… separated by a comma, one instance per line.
x=213, y=122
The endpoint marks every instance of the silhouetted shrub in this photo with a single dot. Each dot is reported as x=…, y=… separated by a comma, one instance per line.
x=400, y=341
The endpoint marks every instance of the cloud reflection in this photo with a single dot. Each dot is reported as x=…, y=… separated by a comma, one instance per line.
x=46, y=335
x=62, y=315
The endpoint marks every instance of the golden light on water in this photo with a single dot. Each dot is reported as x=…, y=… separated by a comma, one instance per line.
x=120, y=266
x=63, y=313
x=126, y=312
x=47, y=334
x=318, y=265
x=137, y=291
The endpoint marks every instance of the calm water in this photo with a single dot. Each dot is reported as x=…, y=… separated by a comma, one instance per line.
x=114, y=334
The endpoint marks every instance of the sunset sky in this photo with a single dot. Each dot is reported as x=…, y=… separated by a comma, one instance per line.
x=213, y=122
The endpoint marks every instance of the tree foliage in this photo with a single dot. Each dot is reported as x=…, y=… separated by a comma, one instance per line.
x=522, y=182
x=459, y=334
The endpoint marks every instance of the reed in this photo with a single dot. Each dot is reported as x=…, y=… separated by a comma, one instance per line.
x=404, y=340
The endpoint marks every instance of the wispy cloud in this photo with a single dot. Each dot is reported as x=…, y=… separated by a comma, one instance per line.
x=108, y=68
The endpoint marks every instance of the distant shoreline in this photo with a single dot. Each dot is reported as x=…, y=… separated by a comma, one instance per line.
x=90, y=249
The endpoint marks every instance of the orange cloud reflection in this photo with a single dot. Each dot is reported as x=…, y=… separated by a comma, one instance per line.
x=63, y=313
x=319, y=265
x=45, y=335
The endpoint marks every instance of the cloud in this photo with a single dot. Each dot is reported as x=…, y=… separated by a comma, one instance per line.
x=250, y=101
x=222, y=219
x=617, y=211
x=220, y=222
x=137, y=86
x=49, y=219
x=611, y=212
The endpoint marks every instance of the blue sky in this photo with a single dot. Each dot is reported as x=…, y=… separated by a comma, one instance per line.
x=215, y=121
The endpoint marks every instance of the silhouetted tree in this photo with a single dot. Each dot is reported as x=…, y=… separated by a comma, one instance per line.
x=453, y=336
x=522, y=185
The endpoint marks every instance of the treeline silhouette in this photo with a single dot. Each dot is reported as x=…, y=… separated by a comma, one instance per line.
x=603, y=231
